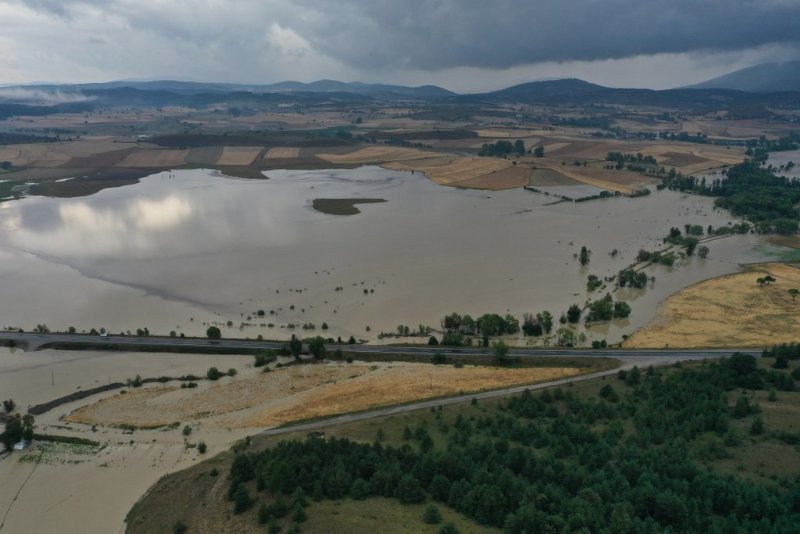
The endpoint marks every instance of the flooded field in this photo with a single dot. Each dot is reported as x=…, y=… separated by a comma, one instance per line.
x=780, y=159
x=181, y=250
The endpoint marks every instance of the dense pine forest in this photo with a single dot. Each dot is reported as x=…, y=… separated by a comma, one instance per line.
x=637, y=455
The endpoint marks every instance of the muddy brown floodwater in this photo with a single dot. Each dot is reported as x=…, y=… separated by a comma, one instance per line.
x=182, y=249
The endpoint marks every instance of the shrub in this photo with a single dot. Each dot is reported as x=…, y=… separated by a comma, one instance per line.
x=201, y=447
x=432, y=516
x=214, y=374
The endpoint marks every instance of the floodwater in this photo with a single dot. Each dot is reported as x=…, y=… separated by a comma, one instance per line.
x=177, y=253
x=779, y=159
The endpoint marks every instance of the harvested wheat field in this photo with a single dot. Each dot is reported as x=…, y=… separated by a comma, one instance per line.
x=299, y=392
x=239, y=155
x=621, y=181
x=378, y=154
x=282, y=152
x=155, y=158
x=730, y=311
x=508, y=178
x=453, y=171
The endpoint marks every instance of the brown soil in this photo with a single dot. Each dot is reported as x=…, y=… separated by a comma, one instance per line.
x=548, y=177
x=99, y=161
x=155, y=158
x=730, y=311
x=378, y=154
x=508, y=178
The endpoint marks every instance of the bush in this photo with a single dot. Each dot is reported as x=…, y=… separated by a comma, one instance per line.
x=439, y=358
x=432, y=516
x=757, y=427
x=241, y=500
x=214, y=374
x=179, y=527
x=201, y=447
x=432, y=341
x=231, y=372
x=263, y=358
x=187, y=430
x=299, y=515
x=213, y=332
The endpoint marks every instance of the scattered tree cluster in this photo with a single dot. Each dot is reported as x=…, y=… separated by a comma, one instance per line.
x=620, y=159
x=752, y=192
x=631, y=278
x=503, y=148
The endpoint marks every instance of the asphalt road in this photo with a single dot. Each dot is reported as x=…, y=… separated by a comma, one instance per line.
x=628, y=357
x=36, y=341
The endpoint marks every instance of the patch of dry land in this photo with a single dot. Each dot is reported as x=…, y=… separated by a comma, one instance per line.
x=155, y=158
x=460, y=171
x=378, y=154
x=730, y=311
x=259, y=400
x=444, y=169
x=239, y=155
x=282, y=152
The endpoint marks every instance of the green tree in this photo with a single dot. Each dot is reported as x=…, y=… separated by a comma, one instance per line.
x=546, y=320
x=432, y=516
x=702, y=251
x=757, y=427
x=584, y=255
x=213, y=332
x=295, y=347
x=690, y=243
x=316, y=346
x=500, y=352
x=538, y=151
x=574, y=313
x=409, y=490
x=214, y=374
x=519, y=147
x=794, y=292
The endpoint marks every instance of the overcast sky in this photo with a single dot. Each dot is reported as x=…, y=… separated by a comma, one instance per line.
x=463, y=45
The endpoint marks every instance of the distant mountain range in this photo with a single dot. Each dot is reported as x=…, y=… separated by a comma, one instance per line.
x=721, y=93
x=376, y=90
x=763, y=78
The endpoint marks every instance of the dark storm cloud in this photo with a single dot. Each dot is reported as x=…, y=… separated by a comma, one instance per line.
x=458, y=43
x=435, y=34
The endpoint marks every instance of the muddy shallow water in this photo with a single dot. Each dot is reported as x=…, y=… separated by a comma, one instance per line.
x=174, y=253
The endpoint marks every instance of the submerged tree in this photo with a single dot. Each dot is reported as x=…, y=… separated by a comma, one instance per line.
x=583, y=257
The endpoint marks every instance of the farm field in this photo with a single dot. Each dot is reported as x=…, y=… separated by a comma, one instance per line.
x=730, y=311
